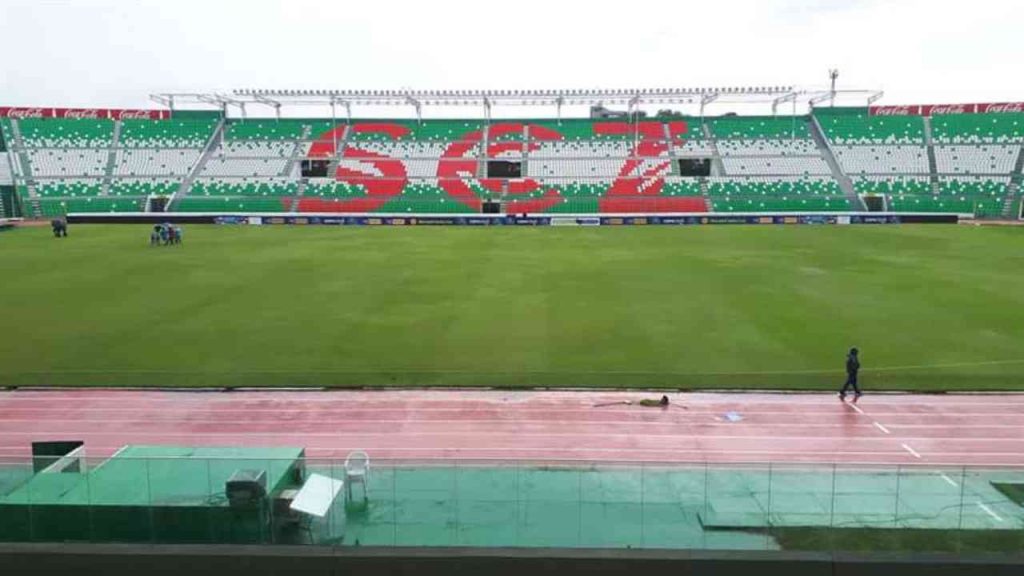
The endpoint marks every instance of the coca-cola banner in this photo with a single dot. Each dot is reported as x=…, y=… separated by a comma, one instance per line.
x=139, y=114
x=96, y=113
x=938, y=109
x=7, y=112
x=1003, y=108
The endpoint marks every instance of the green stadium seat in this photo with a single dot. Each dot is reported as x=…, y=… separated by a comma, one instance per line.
x=166, y=133
x=244, y=187
x=69, y=188
x=233, y=204
x=861, y=128
x=66, y=133
x=275, y=130
x=759, y=127
x=893, y=185
x=776, y=195
x=144, y=187
x=58, y=207
x=978, y=128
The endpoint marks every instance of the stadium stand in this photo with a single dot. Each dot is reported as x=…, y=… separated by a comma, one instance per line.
x=976, y=159
x=880, y=159
x=862, y=129
x=956, y=163
x=884, y=185
x=767, y=146
x=771, y=194
x=166, y=133
x=978, y=128
x=144, y=186
x=155, y=162
x=61, y=206
x=232, y=204
x=69, y=188
x=244, y=187
x=66, y=133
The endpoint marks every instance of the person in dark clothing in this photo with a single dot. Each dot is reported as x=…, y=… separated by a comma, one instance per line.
x=60, y=228
x=663, y=403
x=852, y=368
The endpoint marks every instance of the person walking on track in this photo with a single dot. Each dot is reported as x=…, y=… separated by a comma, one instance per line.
x=852, y=368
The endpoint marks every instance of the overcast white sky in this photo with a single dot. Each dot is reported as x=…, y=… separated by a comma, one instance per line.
x=114, y=53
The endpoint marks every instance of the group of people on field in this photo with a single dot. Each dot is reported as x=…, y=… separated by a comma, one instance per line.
x=165, y=235
x=60, y=227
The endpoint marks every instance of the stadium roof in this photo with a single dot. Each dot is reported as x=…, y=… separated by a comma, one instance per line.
x=487, y=99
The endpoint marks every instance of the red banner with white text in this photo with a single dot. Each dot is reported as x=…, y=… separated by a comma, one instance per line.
x=937, y=109
x=94, y=113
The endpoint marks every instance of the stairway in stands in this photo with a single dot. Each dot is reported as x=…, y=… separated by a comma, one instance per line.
x=108, y=174
x=933, y=165
x=717, y=166
x=844, y=181
x=19, y=147
x=197, y=168
x=291, y=168
x=1012, y=203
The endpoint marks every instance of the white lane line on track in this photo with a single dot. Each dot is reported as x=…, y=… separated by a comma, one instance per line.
x=596, y=436
x=911, y=450
x=990, y=512
x=882, y=428
x=319, y=420
x=857, y=409
x=747, y=410
x=602, y=450
x=383, y=398
x=949, y=480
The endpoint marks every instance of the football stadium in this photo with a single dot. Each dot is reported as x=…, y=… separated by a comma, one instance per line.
x=675, y=330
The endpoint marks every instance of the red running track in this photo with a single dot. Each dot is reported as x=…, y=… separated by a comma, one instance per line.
x=983, y=430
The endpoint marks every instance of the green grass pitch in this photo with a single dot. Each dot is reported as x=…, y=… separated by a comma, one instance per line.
x=931, y=307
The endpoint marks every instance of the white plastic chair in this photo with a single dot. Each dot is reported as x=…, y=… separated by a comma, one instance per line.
x=357, y=470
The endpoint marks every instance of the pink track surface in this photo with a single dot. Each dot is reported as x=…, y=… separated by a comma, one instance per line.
x=985, y=430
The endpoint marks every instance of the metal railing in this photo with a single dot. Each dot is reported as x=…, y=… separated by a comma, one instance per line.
x=535, y=503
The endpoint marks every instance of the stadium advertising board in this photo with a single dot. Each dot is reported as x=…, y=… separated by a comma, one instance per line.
x=83, y=113
x=509, y=220
x=938, y=109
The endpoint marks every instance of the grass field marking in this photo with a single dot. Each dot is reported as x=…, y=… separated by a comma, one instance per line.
x=911, y=450
x=949, y=480
x=882, y=428
x=990, y=512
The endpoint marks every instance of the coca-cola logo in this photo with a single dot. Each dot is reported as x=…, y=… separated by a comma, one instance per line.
x=894, y=111
x=1009, y=108
x=25, y=113
x=949, y=109
x=133, y=114
x=85, y=113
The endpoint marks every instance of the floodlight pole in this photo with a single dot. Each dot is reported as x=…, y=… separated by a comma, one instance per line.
x=334, y=124
x=833, y=75
x=634, y=108
x=704, y=101
x=791, y=97
x=416, y=104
